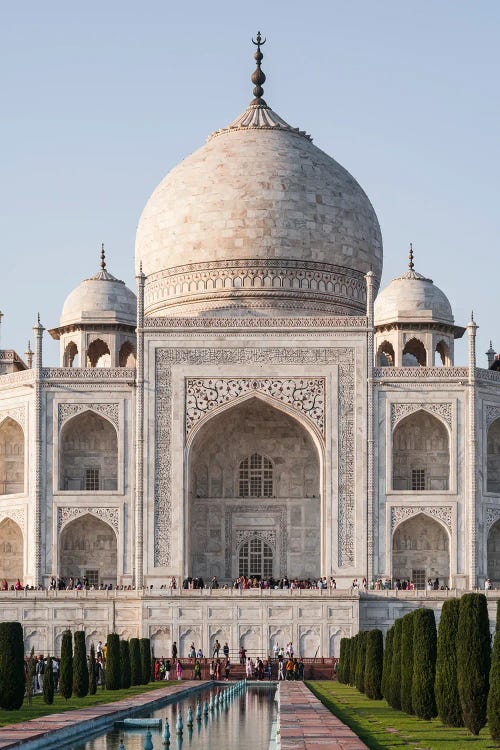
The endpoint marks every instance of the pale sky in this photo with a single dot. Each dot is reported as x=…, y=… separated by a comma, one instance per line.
x=99, y=100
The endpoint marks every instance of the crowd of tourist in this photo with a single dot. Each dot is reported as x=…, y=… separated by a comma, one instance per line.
x=40, y=665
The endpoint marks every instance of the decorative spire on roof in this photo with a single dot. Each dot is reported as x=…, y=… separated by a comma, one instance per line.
x=103, y=274
x=258, y=76
x=411, y=264
x=103, y=257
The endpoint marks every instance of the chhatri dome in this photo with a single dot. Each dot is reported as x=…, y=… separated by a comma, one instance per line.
x=258, y=221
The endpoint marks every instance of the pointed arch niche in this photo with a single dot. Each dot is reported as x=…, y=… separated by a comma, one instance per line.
x=88, y=454
x=11, y=457
x=421, y=550
x=420, y=454
x=11, y=551
x=88, y=547
x=221, y=514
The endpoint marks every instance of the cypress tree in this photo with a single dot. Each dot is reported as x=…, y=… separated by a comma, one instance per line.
x=387, y=664
x=48, y=682
x=30, y=675
x=353, y=659
x=80, y=667
x=125, y=664
x=360, y=661
x=494, y=694
x=11, y=666
x=473, y=660
x=66, y=667
x=341, y=662
x=407, y=662
x=373, y=664
x=145, y=651
x=92, y=676
x=424, y=664
x=347, y=667
x=113, y=679
x=446, y=687
x=135, y=662
x=395, y=678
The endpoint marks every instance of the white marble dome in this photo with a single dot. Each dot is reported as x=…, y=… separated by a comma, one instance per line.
x=99, y=300
x=258, y=220
x=412, y=298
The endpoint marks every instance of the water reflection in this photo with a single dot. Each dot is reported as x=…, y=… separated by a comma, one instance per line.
x=239, y=720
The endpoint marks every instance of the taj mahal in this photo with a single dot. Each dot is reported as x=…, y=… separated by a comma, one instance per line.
x=257, y=406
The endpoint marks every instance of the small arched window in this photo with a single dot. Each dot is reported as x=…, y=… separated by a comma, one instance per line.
x=256, y=476
x=255, y=559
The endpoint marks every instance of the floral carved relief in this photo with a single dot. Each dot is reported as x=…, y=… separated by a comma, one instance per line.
x=442, y=410
x=442, y=513
x=66, y=514
x=66, y=411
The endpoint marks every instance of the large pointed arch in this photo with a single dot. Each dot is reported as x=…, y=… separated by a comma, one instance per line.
x=421, y=550
x=88, y=547
x=88, y=453
x=217, y=514
x=421, y=453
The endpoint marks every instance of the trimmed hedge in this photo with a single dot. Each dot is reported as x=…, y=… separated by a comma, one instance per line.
x=11, y=666
x=91, y=670
x=353, y=662
x=66, y=667
x=394, y=685
x=473, y=660
x=387, y=664
x=135, y=662
x=125, y=664
x=113, y=662
x=446, y=686
x=360, y=662
x=373, y=664
x=407, y=663
x=145, y=651
x=48, y=682
x=80, y=666
x=493, y=710
x=424, y=664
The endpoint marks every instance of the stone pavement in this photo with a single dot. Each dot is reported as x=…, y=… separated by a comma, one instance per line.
x=306, y=724
x=70, y=724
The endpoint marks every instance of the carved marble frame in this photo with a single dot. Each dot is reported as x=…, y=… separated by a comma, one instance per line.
x=100, y=404
x=442, y=407
x=491, y=412
x=176, y=362
x=444, y=514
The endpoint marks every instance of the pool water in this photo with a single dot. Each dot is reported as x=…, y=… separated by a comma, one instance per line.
x=244, y=721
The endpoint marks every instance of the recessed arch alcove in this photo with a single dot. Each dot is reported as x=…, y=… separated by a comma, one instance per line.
x=493, y=458
x=11, y=457
x=493, y=554
x=11, y=551
x=88, y=547
x=421, y=550
x=420, y=454
x=249, y=446
x=88, y=456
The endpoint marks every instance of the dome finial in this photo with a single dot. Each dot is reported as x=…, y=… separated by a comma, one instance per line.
x=411, y=264
x=103, y=257
x=258, y=76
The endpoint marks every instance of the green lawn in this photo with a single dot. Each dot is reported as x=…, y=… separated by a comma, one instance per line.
x=383, y=728
x=39, y=708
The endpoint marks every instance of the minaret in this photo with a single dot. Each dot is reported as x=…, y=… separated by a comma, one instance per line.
x=29, y=356
x=491, y=354
x=38, y=330
x=472, y=447
x=139, y=436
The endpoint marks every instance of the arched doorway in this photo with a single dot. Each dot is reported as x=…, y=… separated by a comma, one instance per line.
x=421, y=550
x=255, y=559
x=11, y=552
x=420, y=454
x=11, y=457
x=254, y=476
x=493, y=458
x=493, y=552
x=88, y=548
x=89, y=454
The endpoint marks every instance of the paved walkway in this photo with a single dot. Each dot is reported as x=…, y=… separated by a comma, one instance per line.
x=71, y=723
x=306, y=724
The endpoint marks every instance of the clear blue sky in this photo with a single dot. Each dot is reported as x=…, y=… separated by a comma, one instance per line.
x=100, y=99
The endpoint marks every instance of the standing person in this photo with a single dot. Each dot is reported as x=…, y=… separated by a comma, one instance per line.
x=197, y=670
x=276, y=650
x=55, y=672
x=178, y=669
x=39, y=670
x=269, y=669
x=174, y=650
x=168, y=668
x=225, y=650
x=281, y=675
x=227, y=669
x=212, y=670
x=300, y=670
x=289, y=669
x=216, y=649
x=243, y=655
x=249, y=668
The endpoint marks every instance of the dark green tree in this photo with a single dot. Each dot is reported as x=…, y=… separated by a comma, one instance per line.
x=407, y=662
x=145, y=651
x=360, y=661
x=135, y=662
x=11, y=666
x=125, y=664
x=473, y=660
x=347, y=667
x=113, y=679
x=342, y=660
x=91, y=670
x=387, y=664
x=424, y=664
x=80, y=666
x=446, y=686
x=374, y=663
x=48, y=682
x=395, y=679
x=30, y=674
x=493, y=711
x=66, y=667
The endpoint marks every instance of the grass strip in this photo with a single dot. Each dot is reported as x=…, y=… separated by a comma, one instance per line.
x=383, y=728
x=38, y=708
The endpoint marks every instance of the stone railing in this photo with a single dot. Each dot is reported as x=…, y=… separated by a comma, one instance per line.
x=24, y=377
x=89, y=373
x=421, y=373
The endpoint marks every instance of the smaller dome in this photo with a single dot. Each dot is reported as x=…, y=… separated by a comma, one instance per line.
x=99, y=300
x=412, y=298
